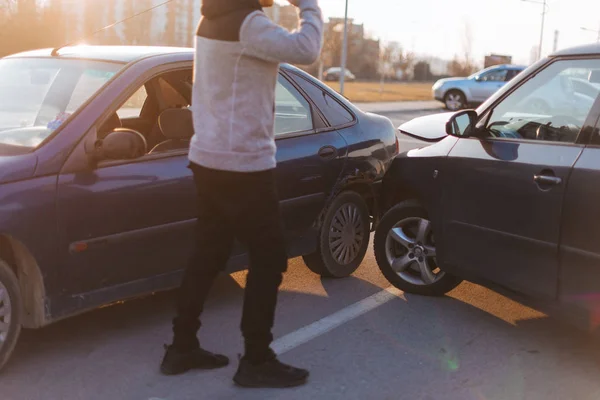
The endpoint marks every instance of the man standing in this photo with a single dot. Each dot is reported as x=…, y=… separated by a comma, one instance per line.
x=238, y=51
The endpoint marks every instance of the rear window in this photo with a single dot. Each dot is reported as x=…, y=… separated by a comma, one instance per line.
x=335, y=113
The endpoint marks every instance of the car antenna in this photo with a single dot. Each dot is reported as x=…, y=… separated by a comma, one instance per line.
x=57, y=49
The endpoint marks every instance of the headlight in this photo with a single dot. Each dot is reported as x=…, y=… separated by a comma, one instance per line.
x=437, y=85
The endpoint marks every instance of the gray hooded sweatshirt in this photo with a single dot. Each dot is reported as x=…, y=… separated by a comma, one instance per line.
x=238, y=51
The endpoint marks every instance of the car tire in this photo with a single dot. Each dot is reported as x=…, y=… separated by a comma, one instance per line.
x=455, y=100
x=344, y=238
x=405, y=250
x=10, y=311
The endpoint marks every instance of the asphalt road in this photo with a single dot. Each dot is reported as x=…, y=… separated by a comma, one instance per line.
x=471, y=345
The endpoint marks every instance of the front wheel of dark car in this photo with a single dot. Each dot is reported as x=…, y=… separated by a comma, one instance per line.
x=10, y=312
x=405, y=250
x=343, y=239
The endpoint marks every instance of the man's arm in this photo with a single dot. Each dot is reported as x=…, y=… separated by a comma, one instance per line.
x=266, y=40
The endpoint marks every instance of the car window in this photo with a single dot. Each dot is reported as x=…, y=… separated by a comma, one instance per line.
x=292, y=110
x=551, y=106
x=39, y=95
x=89, y=83
x=334, y=112
x=172, y=98
x=498, y=75
x=133, y=106
x=511, y=74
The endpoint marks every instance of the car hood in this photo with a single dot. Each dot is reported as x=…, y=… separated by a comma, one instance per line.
x=452, y=80
x=14, y=168
x=431, y=128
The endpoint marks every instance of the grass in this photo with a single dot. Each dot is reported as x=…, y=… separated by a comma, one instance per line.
x=370, y=92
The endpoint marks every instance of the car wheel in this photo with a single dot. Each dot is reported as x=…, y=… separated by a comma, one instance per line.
x=406, y=253
x=455, y=100
x=10, y=312
x=344, y=238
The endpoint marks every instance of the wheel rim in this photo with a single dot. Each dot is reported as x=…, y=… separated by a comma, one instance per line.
x=346, y=234
x=411, y=252
x=5, y=314
x=454, y=101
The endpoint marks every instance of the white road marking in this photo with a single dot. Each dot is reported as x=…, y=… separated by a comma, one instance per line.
x=327, y=324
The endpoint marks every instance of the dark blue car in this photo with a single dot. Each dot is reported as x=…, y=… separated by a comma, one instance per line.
x=97, y=203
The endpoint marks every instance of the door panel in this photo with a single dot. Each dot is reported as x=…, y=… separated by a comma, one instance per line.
x=501, y=224
x=485, y=89
x=126, y=222
x=305, y=177
x=579, y=280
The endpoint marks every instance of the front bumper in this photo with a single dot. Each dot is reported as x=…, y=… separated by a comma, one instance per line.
x=438, y=94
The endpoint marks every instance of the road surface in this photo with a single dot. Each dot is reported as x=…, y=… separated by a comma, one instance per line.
x=473, y=344
x=359, y=340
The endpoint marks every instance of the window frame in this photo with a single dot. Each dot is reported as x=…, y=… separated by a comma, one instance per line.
x=330, y=127
x=586, y=134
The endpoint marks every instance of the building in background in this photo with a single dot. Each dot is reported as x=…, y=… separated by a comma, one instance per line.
x=286, y=16
x=496, y=59
x=172, y=24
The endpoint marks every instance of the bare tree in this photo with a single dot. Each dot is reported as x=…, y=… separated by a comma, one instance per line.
x=465, y=66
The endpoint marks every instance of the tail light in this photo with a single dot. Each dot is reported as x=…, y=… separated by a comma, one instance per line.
x=397, y=145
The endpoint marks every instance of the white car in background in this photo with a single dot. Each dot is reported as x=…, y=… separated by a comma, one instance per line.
x=458, y=93
x=333, y=74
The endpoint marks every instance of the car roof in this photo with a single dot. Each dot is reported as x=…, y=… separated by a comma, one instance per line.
x=121, y=54
x=588, y=49
x=507, y=66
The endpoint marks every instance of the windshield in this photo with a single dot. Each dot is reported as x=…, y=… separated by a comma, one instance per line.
x=553, y=105
x=37, y=95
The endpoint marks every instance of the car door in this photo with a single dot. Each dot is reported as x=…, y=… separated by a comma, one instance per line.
x=579, y=275
x=310, y=159
x=488, y=83
x=125, y=221
x=503, y=199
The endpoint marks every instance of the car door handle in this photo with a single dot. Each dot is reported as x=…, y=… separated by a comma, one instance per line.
x=328, y=152
x=547, y=180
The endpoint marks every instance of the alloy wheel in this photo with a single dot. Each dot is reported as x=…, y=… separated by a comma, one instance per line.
x=411, y=252
x=454, y=102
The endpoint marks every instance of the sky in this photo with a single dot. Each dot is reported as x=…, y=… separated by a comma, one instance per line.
x=437, y=27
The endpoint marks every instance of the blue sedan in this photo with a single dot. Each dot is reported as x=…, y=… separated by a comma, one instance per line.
x=96, y=201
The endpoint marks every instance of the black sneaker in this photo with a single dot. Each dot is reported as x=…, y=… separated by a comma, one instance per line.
x=269, y=374
x=176, y=362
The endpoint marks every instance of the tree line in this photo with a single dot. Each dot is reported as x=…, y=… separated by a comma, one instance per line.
x=29, y=24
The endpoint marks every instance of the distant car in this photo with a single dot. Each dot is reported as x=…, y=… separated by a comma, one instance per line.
x=506, y=195
x=458, y=93
x=96, y=202
x=334, y=74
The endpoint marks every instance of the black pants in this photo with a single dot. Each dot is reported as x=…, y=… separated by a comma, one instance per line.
x=243, y=206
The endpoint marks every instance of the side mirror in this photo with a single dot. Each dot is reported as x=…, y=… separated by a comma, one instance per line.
x=120, y=144
x=478, y=79
x=461, y=124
